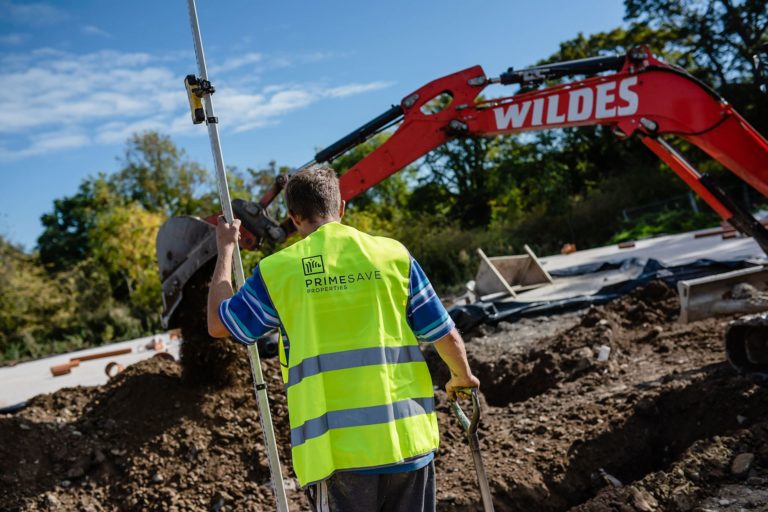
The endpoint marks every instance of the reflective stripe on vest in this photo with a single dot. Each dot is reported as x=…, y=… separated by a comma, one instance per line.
x=351, y=359
x=359, y=391
x=361, y=416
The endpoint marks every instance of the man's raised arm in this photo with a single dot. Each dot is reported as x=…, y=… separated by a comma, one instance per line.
x=220, y=289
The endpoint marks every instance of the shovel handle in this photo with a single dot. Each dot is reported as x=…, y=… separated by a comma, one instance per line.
x=469, y=425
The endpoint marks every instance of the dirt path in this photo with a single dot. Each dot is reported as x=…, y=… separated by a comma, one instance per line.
x=663, y=424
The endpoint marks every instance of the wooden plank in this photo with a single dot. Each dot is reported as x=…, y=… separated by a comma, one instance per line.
x=101, y=355
x=488, y=279
x=538, y=264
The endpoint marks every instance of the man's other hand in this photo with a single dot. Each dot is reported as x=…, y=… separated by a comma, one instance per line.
x=457, y=385
x=227, y=235
x=451, y=350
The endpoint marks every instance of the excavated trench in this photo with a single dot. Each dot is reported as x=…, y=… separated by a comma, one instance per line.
x=660, y=430
x=666, y=419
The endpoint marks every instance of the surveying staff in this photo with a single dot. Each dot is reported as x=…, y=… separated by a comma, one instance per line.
x=351, y=309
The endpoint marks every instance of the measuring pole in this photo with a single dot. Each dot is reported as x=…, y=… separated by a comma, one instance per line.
x=253, y=354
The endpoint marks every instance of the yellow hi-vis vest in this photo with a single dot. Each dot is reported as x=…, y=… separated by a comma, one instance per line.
x=359, y=392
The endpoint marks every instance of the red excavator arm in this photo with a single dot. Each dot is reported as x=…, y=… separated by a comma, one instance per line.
x=642, y=96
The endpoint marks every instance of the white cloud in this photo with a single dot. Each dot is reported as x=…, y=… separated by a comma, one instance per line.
x=350, y=89
x=234, y=63
x=13, y=38
x=46, y=143
x=63, y=100
x=93, y=30
x=249, y=111
x=31, y=13
x=119, y=131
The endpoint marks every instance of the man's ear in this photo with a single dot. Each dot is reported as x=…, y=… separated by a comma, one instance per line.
x=295, y=218
x=341, y=208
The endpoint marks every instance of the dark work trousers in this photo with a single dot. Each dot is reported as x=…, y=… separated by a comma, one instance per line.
x=412, y=491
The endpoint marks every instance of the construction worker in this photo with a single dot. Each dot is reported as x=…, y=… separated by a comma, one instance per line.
x=351, y=309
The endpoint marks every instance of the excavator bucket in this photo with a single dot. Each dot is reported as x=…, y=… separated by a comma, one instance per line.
x=184, y=246
x=186, y=250
x=740, y=291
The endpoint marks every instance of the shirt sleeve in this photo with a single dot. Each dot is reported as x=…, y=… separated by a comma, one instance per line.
x=425, y=313
x=249, y=314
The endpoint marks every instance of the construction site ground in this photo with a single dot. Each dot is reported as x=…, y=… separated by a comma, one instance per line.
x=663, y=424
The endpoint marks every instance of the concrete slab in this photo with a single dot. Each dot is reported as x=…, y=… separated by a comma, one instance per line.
x=25, y=380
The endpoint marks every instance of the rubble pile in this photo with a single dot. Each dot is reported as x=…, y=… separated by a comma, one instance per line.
x=615, y=408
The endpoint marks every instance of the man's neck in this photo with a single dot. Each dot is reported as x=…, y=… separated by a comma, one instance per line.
x=313, y=225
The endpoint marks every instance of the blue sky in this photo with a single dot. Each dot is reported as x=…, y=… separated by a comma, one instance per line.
x=291, y=77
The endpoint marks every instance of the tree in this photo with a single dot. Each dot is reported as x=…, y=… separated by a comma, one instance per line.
x=64, y=241
x=98, y=247
x=721, y=36
x=715, y=40
x=159, y=177
x=30, y=303
x=122, y=241
x=156, y=176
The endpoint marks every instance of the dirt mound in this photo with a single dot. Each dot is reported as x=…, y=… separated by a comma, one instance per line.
x=612, y=329
x=145, y=441
x=662, y=424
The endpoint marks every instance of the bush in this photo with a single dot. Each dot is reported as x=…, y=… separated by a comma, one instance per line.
x=662, y=223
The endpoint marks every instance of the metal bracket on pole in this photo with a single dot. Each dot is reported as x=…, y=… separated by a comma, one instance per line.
x=226, y=205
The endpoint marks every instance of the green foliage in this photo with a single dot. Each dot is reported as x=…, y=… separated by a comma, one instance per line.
x=95, y=278
x=40, y=315
x=448, y=253
x=662, y=223
x=133, y=264
x=463, y=169
x=96, y=315
x=720, y=36
x=28, y=302
x=715, y=40
x=158, y=177
x=64, y=241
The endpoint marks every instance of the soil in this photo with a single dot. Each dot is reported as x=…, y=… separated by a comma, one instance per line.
x=204, y=360
x=664, y=424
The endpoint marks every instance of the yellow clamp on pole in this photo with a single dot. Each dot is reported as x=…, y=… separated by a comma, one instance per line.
x=195, y=97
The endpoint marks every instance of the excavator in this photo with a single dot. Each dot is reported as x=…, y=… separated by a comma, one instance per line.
x=635, y=94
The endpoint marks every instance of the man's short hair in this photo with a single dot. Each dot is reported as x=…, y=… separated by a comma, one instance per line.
x=314, y=193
